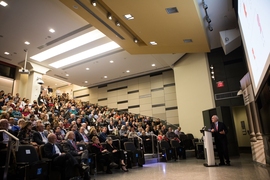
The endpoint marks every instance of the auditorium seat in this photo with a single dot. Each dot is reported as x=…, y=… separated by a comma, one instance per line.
x=167, y=151
x=28, y=163
x=134, y=156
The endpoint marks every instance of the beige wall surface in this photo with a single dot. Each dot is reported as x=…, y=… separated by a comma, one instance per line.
x=6, y=84
x=150, y=95
x=193, y=91
x=239, y=114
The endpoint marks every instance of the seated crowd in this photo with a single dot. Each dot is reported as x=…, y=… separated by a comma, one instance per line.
x=61, y=124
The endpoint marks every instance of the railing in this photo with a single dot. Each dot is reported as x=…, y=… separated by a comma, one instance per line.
x=16, y=146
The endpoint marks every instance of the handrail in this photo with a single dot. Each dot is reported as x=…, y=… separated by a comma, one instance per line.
x=9, y=151
x=153, y=146
x=13, y=137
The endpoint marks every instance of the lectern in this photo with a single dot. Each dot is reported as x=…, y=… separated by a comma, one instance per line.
x=208, y=149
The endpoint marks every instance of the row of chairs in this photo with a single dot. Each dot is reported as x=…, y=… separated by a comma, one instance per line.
x=171, y=150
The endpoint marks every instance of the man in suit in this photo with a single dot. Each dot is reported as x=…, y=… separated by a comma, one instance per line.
x=71, y=147
x=219, y=131
x=39, y=136
x=59, y=158
x=82, y=136
x=103, y=135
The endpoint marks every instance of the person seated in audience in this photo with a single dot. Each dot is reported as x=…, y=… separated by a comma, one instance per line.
x=14, y=128
x=92, y=133
x=84, y=125
x=103, y=135
x=39, y=136
x=70, y=147
x=171, y=135
x=111, y=127
x=16, y=113
x=146, y=142
x=155, y=130
x=25, y=134
x=60, y=159
x=59, y=136
x=4, y=138
x=123, y=132
x=82, y=136
x=62, y=129
x=103, y=155
x=178, y=131
x=161, y=136
x=48, y=130
x=118, y=154
x=74, y=128
x=21, y=123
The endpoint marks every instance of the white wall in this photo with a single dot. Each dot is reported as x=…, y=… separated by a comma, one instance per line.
x=193, y=91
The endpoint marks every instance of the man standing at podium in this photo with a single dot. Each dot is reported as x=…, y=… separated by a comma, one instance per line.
x=219, y=131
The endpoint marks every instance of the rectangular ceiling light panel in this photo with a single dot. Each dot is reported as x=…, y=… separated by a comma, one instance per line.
x=85, y=54
x=69, y=45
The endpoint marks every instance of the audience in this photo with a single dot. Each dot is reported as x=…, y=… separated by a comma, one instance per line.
x=62, y=117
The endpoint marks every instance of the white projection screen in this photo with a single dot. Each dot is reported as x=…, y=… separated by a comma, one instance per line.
x=254, y=22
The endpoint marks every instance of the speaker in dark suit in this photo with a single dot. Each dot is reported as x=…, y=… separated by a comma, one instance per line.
x=219, y=131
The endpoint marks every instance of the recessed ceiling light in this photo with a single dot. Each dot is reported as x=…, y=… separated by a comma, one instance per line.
x=117, y=23
x=153, y=43
x=67, y=74
x=55, y=84
x=105, y=77
x=153, y=65
x=52, y=30
x=111, y=61
x=87, y=69
x=85, y=54
x=85, y=81
x=94, y=3
x=127, y=71
x=109, y=16
x=6, y=53
x=69, y=45
x=3, y=3
x=26, y=42
x=75, y=7
x=129, y=16
x=135, y=40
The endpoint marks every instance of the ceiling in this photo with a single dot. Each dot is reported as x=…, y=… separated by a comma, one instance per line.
x=30, y=20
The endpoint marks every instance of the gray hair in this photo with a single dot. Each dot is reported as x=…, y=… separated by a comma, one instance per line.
x=215, y=116
x=67, y=135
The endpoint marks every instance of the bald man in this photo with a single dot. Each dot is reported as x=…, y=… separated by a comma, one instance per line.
x=219, y=131
x=59, y=158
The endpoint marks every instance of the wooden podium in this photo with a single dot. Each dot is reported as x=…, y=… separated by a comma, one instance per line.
x=208, y=149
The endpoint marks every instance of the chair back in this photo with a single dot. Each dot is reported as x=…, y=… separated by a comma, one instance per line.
x=81, y=147
x=164, y=145
x=27, y=153
x=129, y=146
x=175, y=144
x=41, y=151
x=183, y=137
x=103, y=144
x=190, y=136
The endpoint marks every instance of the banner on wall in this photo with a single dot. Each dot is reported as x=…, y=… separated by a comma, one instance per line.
x=246, y=87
